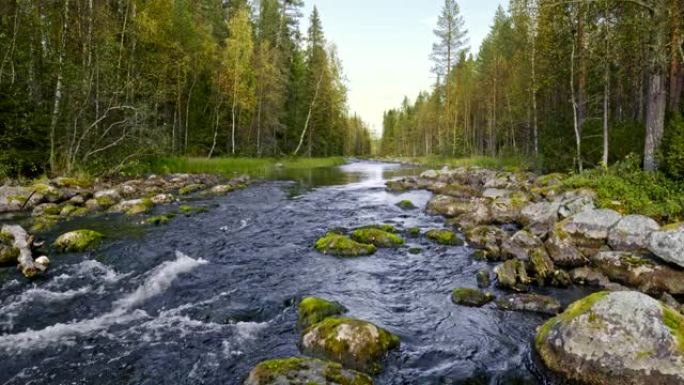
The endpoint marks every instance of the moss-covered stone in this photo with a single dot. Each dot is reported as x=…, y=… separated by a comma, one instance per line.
x=483, y=278
x=79, y=212
x=304, y=371
x=313, y=310
x=406, y=205
x=355, y=344
x=78, y=241
x=512, y=274
x=377, y=237
x=8, y=254
x=191, y=188
x=67, y=210
x=383, y=227
x=415, y=250
x=142, y=207
x=444, y=237
x=342, y=246
x=471, y=297
x=414, y=231
x=44, y=223
x=105, y=201
x=160, y=219
x=81, y=182
x=186, y=210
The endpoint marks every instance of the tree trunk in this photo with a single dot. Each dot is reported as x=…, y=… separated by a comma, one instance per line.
x=308, y=117
x=675, y=65
x=655, y=119
x=575, y=112
x=58, y=90
x=606, y=91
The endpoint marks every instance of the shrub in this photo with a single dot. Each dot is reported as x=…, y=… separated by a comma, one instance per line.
x=673, y=158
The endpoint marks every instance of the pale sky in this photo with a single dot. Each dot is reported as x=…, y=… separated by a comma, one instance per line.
x=385, y=46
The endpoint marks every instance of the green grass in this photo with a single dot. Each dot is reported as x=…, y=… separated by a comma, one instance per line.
x=231, y=166
x=513, y=163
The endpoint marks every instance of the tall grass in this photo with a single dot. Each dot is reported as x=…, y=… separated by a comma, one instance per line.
x=497, y=163
x=231, y=166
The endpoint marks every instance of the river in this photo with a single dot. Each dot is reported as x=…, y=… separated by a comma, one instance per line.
x=205, y=298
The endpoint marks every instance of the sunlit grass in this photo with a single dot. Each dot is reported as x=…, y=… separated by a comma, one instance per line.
x=232, y=166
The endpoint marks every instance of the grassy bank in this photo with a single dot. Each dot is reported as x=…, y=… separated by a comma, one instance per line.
x=231, y=166
x=503, y=163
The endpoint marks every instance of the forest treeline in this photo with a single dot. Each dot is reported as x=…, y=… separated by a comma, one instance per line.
x=97, y=84
x=570, y=83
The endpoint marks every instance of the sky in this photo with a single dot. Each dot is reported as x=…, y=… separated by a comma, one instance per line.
x=385, y=46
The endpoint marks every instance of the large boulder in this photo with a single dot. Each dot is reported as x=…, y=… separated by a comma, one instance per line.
x=539, y=217
x=589, y=229
x=342, y=246
x=355, y=344
x=668, y=246
x=489, y=239
x=512, y=274
x=313, y=310
x=529, y=302
x=506, y=209
x=632, y=233
x=455, y=190
x=106, y=198
x=471, y=297
x=132, y=207
x=480, y=214
x=575, y=201
x=448, y=206
x=12, y=198
x=78, y=241
x=625, y=338
x=304, y=371
x=377, y=237
x=562, y=249
x=639, y=272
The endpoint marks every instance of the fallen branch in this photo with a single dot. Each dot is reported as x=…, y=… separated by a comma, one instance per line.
x=22, y=241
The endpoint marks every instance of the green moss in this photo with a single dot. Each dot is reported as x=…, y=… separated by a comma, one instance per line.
x=6, y=238
x=470, y=297
x=67, y=210
x=80, y=212
x=82, y=182
x=44, y=223
x=271, y=369
x=343, y=246
x=17, y=198
x=78, y=241
x=675, y=322
x=377, y=237
x=8, y=254
x=105, y=201
x=191, y=188
x=313, y=310
x=160, y=219
x=51, y=209
x=383, y=227
x=444, y=237
x=635, y=261
x=573, y=311
x=286, y=369
x=415, y=250
x=333, y=374
x=186, y=210
x=144, y=206
x=414, y=231
x=406, y=205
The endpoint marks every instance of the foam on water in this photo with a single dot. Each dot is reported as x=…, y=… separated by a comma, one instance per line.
x=123, y=311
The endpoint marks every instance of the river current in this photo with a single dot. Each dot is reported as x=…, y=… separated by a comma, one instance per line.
x=204, y=299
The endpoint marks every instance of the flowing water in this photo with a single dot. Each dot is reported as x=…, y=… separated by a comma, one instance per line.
x=205, y=298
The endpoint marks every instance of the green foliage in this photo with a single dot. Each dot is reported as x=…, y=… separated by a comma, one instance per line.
x=624, y=187
x=673, y=159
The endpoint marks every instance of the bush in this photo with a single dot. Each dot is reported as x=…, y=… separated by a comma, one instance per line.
x=673, y=158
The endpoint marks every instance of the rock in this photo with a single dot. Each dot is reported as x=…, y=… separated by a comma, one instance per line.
x=128, y=190
x=495, y=193
x=561, y=278
x=414, y=232
x=541, y=265
x=160, y=219
x=43, y=261
x=479, y=215
x=430, y=174
x=221, y=189
x=355, y=344
x=342, y=246
x=625, y=338
x=471, y=297
x=512, y=275
x=529, y=302
x=639, y=272
x=78, y=241
x=376, y=237
x=487, y=238
x=406, y=205
x=304, y=371
x=133, y=206
x=456, y=191
x=160, y=199
x=105, y=199
x=505, y=210
x=484, y=279
x=574, y=202
x=49, y=193
x=8, y=253
x=589, y=229
x=313, y=310
x=539, y=218
x=12, y=198
x=668, y=246
x=444, y=237
x=588, y=276
x=632, y=233
x=401, y=185
x=562, y=250
x=191, y=188
x=46, y=209
x=77, y=200
x=448, y=206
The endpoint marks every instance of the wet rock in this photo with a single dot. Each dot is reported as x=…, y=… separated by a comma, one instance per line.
x=8, y=252
x=448, y=206
x=444, y=237
x=539, y=218
x=132, y=207
x=377, y=237
x=355, y=344
x=313, y=310
x=105, y=199
x=471, y=297
x=342, y=246
x=406, y=205
x=304, y=371
x=541, y=265
x=631, y=233
x=484, y=279
x=623, y=338
x=46, y=209
x=561, y=278
x=639, y=272
x=401, y=185
x=529, y=302
x=191, y=188
x=562, y=250
x=589, y=229
x=512, y=274
x=160, y=219
x=163, y=199
x=78, y=241
x=487, y=238
x=668, y=246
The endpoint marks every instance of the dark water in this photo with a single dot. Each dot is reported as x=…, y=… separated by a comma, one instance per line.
x=204, y=299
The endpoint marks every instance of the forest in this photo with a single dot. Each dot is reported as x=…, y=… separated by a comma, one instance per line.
x=570, y=84
x=90, y=85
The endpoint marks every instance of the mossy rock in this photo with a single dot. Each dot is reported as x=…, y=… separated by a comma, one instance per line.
x=67, y=210
x=44, y=223
x=186, y=210
x=444, y=237
x=105, y=201
x=471, y=297
x=191, y=188
x=8, y=254
x=414, y=231
x=50, y=192
x=73, y=182
x=377, y=237
x=160, y=219
x=406, y=205
x=355, y=344
x=78, y=241
x=313, y=310
x=415, y=250
x=304, y=371
x=484, y=279
x=343, y=246
x=79, y=212
x=383, y=227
